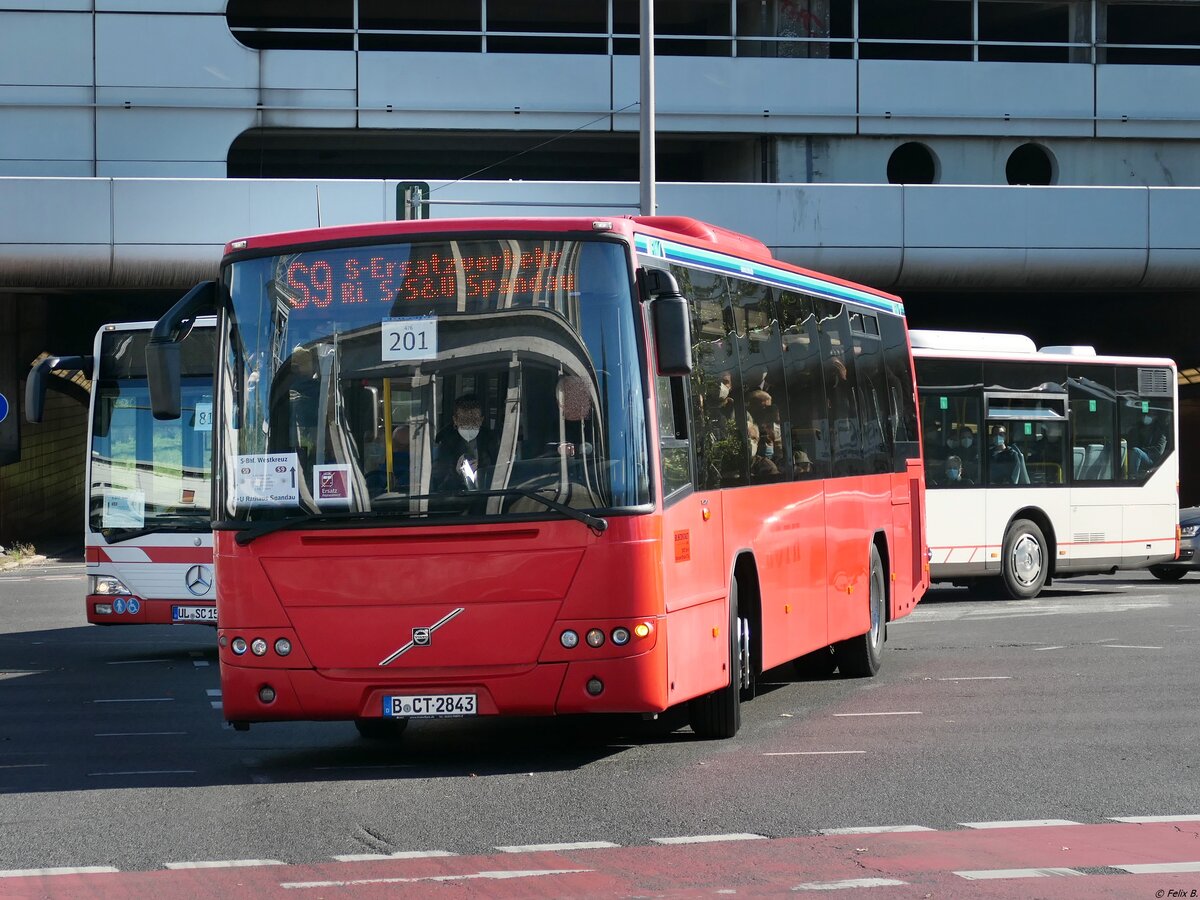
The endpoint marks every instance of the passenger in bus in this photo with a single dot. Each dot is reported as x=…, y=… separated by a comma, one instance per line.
x=762, y=469
x=574, y=405
x=1006, y=463
x=760, y=407
x=954, y=475
x=1151, y=444
x=801, y=464
x=465, y=449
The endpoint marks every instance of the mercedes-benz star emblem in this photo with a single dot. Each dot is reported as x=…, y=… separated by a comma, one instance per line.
x=199, y=580
x=422, y=636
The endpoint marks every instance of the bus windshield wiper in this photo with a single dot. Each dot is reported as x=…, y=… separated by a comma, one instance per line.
x=199, y=526
x=598, y=524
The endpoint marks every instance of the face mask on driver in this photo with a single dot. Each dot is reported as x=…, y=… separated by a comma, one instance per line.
x=952, y=474
x=468, y=434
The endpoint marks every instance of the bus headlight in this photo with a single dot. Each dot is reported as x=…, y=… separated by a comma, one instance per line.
x=238, y=646
x=283, y=646
x=106, y=584
x=620, y=636
x=258, y=647
x=569, y=639
x=595, y=638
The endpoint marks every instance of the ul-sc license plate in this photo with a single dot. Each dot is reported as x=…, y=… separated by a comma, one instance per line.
x=194, y=614
x=430, y=705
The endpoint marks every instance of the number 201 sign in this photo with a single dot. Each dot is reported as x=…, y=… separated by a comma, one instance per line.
x=409, y=338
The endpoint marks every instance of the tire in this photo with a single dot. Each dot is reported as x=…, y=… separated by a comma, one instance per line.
x=718, y=715
x=1025, y=561
x=380, y=729
x=1168, y=573
x=861, y=657
x=816, y=665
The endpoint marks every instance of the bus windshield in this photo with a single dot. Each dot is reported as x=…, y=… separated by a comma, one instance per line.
x=474, y=377
x=149, y=475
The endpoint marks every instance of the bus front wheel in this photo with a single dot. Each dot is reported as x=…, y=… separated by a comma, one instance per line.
x=861, y=657
x=1168, y=573
x=1025, y=561
x=719, y=714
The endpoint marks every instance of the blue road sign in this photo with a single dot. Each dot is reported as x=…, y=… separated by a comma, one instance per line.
x=3, y=407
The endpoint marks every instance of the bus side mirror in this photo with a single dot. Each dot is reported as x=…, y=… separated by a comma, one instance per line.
x=672, y=323
x=36, y=383
x=162, y=350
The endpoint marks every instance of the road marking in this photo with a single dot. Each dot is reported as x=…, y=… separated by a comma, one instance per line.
x=978, y=678
x=848, y=884
x=913, y=712
x=403, y=854
x=1130, y=647
x=144, y=772
x=63, y=870
x=1150, y=819
x=139, y=733
x=709, y=838
x=529, y=873
x=213, y=692
x=223, y=864
x=875, y=829
x=578, y=845
x=137, y=700
x=812, y=752
x=1055, y=647
x=200, y=663
x=216, y=704
x=134, y=662
x=1159, y=868
x=993, y=874
x=1019, y=823
x=26, y=766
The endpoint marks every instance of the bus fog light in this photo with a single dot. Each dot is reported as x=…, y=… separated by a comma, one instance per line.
x=283, y=646
x=266, y=694
x=239, y=646
x=595, y=687
x=641, y=629
x=224, y=640
x=103, y=609
x=569, y=639
x=258, y=647
x=620, y=636
x=595, y=637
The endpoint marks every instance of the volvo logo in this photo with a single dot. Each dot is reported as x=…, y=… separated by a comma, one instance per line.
x=198, y=580
x=422, y=636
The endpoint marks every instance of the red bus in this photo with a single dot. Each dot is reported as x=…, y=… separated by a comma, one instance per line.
x=547, y=466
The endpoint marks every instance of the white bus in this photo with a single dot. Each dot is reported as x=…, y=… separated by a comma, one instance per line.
x=1044, y=463
x=147, y=525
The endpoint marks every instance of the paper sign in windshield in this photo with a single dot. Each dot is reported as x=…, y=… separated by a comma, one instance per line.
x=203, y=420
x=124, y=509
x=409, y=338
x=331, y=485
x=267, y=479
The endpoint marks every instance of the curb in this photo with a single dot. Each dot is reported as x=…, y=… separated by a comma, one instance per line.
x=34, y=560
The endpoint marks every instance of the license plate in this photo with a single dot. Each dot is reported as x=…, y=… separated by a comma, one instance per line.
x=206, y=614
x=429, y=706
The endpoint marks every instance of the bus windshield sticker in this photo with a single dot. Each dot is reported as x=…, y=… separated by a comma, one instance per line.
x=332, y=485
x=409, y=338
x=124, y=509
x=203, y=418
x=267, y=479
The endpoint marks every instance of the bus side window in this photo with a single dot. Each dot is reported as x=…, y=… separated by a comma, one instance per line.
x=673, y=440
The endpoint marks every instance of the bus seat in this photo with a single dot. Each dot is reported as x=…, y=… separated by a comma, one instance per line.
x=1077, y=457
x=1045, y=473
x=1091, y=462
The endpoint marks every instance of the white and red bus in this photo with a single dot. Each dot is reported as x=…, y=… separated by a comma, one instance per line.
x=1045, y=463
x=147, y=535
x=546, y=466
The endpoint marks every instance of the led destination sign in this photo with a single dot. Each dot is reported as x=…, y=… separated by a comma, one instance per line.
x=391, y=274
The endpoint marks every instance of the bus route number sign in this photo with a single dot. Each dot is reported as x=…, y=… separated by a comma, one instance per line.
x=409, y=338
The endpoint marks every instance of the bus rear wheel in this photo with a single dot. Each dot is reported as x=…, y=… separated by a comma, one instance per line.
x=1024, y=560
x=719, y=714
x=381, y=729
x=861, y=657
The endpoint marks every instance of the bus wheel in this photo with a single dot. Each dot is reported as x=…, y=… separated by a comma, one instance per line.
x=1024, y=560
x=380, y=729
x=1168, y=573
x=719, y=714
x=861, y=657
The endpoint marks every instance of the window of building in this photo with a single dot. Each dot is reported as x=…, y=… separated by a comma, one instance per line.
x=1151, y=34
x=918, y=29
x=1032, y=32
x=912, y=163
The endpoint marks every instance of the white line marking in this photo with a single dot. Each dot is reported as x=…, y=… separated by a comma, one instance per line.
x=138, y=733
x=911, y=712
x=1055, y=647
x=875, y=829
x=64, y=870
x=1019, y=823
x=223, y=864
x=579, y=845
x=134, y=662
x=1130, y=647
x=531, y=873
x=26, y=766
x=978, y=678
x=216, y=704
x=992, y=874
x=1150, y=819
x=213, y=692
x=145, y=772
x=709, y=838
x=138, y=700
x=849, y=883
x=403, y=854
x=812, y=752
x=200, y=663
x=1159, y=868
